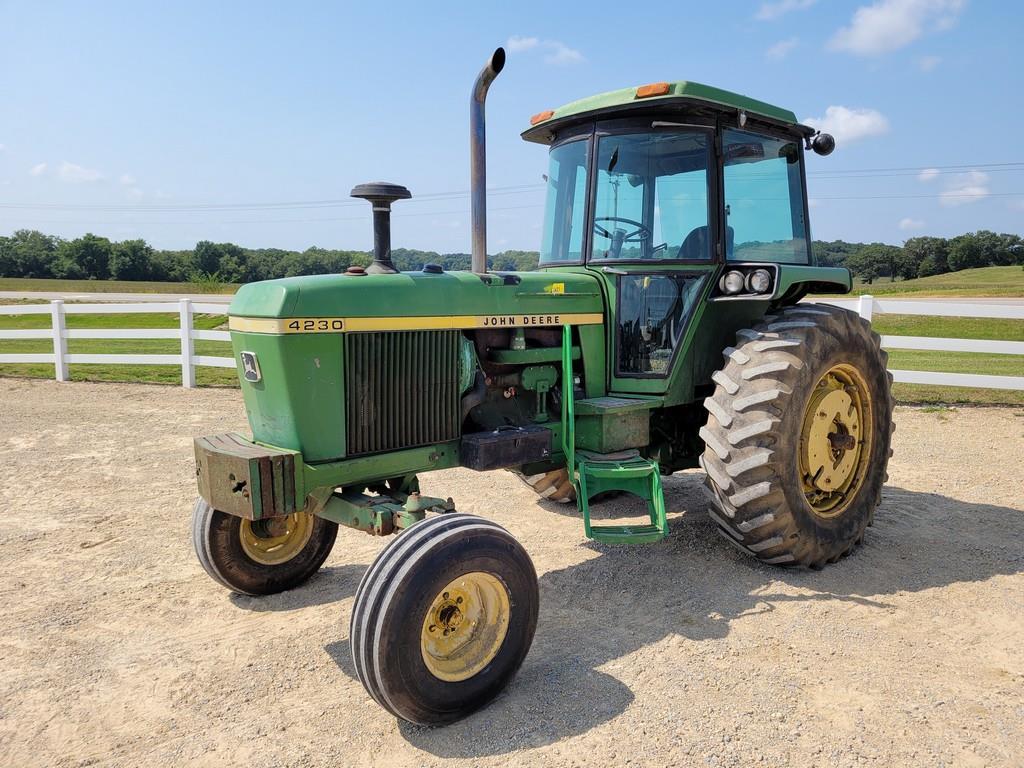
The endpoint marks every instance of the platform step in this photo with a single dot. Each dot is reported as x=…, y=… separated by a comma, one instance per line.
x=636, y=475
x=626, y=534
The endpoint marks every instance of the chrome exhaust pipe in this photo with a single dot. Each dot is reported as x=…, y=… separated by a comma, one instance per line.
x=478, y=158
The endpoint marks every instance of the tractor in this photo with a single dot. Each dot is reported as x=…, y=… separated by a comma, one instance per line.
x=663, y=330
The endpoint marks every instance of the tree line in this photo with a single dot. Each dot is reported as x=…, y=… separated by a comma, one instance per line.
x=922, y=256
x=29, y=253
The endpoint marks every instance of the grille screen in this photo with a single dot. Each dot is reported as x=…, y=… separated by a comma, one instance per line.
x=402, y=389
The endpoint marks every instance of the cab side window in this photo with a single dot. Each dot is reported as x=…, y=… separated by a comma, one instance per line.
x=764, y=199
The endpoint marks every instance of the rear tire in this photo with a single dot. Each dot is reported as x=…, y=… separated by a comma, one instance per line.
x=798, y=436
x=247, y=558
x=443, y=618
x=553, y=486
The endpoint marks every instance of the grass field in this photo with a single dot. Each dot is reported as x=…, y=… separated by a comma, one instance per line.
x=110, y=286
x=987, y=281
x=159, y=374
x=896, y=325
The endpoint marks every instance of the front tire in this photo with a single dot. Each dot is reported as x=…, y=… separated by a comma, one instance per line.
x=260, y=557
x=798, y=436
x=443, y=618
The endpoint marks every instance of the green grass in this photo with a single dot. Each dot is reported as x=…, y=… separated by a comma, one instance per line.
x=110, y=286
x=954, y=362
x=991, y=282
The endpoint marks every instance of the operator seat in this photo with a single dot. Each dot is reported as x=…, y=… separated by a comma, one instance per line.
x=696, y=245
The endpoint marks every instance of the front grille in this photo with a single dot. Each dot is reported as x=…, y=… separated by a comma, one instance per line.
x=402, y=389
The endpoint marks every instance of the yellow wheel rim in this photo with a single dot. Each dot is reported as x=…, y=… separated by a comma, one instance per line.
x=465, y=626
x=276, y=540
x=835, y=441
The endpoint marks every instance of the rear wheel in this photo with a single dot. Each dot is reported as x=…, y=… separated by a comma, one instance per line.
x=798, y=436
x=260, y=557
x=443, y=618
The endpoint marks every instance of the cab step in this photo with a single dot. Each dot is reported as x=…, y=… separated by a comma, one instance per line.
x=635, y=475
x=596, y=473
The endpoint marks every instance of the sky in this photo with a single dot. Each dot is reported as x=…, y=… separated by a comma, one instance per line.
x=250, y=122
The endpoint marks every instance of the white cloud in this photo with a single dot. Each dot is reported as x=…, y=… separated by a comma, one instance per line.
x=518, y=43
x=77, y=174
x=849, y=125
x=888, y=25
x=773, y=10
x=127, y=179
x=555, y=51
x=38, y=169
x=928, y=63
x=966, y=188
x=562, y=54
x=928, y=174
x=782, y=48
x=908, y=224
x=2, y=147
x=813, y=203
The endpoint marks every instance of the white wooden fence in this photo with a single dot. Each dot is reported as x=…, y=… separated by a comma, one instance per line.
x=58, y=331
x=866, y=306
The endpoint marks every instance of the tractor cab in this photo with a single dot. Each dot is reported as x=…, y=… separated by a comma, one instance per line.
x=673, y=193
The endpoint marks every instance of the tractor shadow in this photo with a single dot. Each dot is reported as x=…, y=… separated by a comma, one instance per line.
x=328, y=585
x=692, y=586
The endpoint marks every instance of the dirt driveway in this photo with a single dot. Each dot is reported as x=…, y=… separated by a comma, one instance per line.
x=118, y=650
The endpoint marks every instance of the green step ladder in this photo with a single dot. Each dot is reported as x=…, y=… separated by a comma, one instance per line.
x=592, y=474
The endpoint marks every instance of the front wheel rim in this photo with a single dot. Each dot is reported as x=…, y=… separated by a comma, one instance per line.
x=835, y=441
x=276, y=540
x=465, y=626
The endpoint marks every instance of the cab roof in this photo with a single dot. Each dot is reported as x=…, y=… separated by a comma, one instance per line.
x=668, y=94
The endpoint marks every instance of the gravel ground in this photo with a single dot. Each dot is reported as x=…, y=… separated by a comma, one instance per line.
x=118, y=650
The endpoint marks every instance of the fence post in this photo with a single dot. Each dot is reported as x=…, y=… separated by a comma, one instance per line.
x=188, y=371
x=865, y=307
x=60, y=343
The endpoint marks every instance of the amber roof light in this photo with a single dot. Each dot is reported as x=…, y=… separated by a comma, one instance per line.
x=652, y=89
x=540, y=117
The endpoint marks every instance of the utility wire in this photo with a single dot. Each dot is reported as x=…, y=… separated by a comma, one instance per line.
x=847, y=174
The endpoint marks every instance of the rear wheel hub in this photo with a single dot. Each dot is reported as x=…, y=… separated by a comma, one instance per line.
x=835, y=440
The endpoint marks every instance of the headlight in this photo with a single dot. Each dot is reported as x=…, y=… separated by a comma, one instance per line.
x=759, y=281
x=731, y=282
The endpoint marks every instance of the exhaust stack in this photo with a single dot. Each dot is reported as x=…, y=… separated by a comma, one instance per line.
x=478, y=158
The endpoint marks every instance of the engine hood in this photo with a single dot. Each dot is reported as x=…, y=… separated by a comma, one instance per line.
x=413, y=300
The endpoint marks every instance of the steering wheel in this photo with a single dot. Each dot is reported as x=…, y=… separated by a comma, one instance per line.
x=641, y=233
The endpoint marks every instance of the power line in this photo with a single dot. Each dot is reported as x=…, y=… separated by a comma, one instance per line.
x=844, y=174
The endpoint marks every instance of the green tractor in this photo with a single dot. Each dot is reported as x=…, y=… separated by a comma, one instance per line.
x=663, y=331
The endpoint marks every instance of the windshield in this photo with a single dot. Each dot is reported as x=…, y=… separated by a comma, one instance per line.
x=566, y=204
x=652, y=196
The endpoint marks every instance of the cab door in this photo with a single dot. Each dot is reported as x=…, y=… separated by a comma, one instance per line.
x=654, y=239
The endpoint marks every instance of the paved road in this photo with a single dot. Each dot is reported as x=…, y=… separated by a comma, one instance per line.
x=213, y=298
x=1010, y=301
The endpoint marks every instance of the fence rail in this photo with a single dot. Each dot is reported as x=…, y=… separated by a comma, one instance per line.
x=58, y=331
x=866, y=306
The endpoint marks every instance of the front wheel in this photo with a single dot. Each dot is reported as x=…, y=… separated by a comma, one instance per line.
x=443, y=618
x=260, y=557
x=798, y=435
